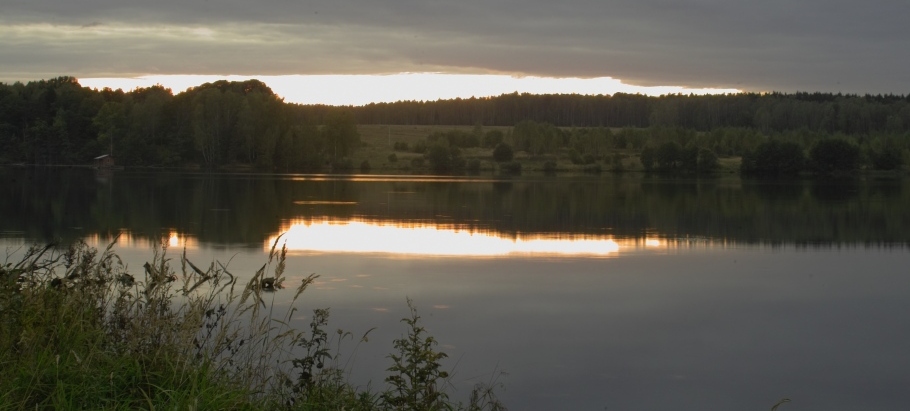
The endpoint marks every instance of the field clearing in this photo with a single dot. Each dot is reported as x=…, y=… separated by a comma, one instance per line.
x=377, y=142
x=378, y=135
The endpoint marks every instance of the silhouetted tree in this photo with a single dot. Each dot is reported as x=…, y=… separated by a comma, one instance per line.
x=503, y=152
x=834, y=155
x=774, y=158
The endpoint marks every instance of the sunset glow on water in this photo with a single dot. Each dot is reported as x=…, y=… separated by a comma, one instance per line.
x=428, y=239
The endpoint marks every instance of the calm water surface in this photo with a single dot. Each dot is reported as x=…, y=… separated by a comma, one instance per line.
x=590, y=293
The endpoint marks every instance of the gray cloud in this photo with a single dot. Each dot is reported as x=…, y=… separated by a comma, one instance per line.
x=824, y=45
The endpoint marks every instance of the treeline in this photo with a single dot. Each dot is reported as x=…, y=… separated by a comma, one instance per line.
x=224, y=123
x=827, y=132
x=773, y=112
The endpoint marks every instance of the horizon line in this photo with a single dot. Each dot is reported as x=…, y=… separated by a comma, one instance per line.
x=364, y=89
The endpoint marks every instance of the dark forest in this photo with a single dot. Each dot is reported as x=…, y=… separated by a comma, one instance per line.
x=225, y=123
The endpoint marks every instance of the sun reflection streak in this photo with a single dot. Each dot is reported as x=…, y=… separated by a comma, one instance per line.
x=426, y=239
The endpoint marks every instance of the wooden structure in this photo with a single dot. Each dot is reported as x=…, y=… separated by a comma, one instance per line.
x=104, y=161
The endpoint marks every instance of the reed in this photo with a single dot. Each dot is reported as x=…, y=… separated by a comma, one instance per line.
x=78, y=331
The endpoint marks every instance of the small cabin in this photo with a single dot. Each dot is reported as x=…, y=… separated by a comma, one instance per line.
x=105, y=161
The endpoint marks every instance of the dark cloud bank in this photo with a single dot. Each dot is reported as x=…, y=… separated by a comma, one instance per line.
x=810, y=45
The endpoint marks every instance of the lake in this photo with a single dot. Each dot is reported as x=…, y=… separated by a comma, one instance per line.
x=609, y=292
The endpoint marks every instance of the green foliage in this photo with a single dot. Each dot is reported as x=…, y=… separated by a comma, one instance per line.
x=512, y=167
x=774, y=157
x=420, y=147
x=80, y=332
x=688, y=158
x=617, y=162
x=340, y=134
x=365, y=166
x=707, y=160
x=444, y=159
x=400, y=146
x=549, y=166
x=393, y=158
x=223, y=124
x=834, y=155
x=668, y=156
x=417, y=379
x=536, y=138
x=886, y=155
x=766, y=113
x=575, y=156
x=455, y=138
x=492, y=138
x=95, y=334
x=648, y=157
x=503, y=153
x=592, y=168
x=473, y=165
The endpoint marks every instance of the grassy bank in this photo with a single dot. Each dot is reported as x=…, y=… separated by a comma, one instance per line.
x=77, y=331
x=378, y=144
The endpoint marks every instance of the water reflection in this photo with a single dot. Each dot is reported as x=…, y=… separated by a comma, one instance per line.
x=126, y=239
x=410, y=238
x=733, y=292
x=244, y=209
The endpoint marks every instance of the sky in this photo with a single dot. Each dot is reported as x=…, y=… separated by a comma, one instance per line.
x=721, y=45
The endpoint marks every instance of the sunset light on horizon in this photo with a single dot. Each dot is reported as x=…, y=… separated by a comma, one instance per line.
x=362, y=89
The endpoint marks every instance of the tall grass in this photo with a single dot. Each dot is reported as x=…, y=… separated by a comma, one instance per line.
x=78, y=331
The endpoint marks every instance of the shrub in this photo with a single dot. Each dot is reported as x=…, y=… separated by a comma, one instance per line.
x=417, y=379
x=575, y=157
x=365, y=167
x=688, y=158
x=617, y=162
x=393, y=158
x=549, y=166
x=503, y=153
x=492, y=138
x=889, y=158
x=455, y=138
x=707, y=160
x=647, y=158
x=774, y=158
x=444, y=159
x=833, y=155
x=592, y=168
x=668, y=156
x=512, y=167
x=473, y=165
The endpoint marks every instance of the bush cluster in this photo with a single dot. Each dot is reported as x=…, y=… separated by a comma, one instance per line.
x=671, y=156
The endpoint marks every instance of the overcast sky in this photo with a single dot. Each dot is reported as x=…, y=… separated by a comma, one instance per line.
x=783, y=45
